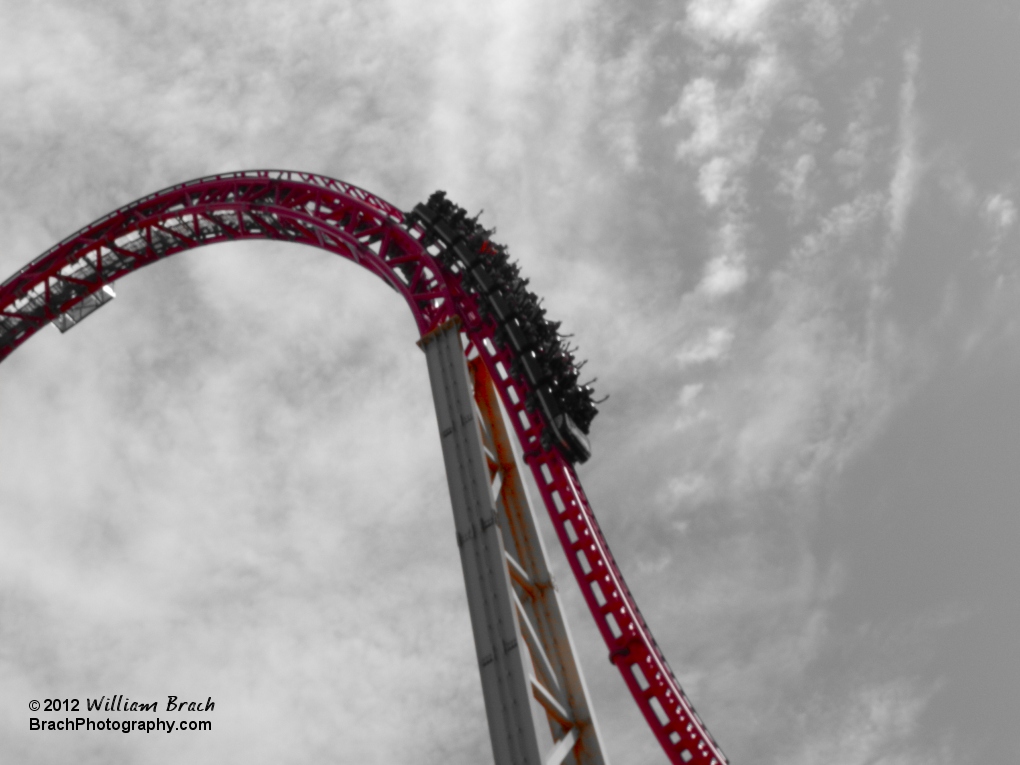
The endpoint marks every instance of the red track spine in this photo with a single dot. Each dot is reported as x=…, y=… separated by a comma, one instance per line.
x=346, y=220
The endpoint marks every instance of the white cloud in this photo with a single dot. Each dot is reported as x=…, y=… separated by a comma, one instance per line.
x=738, y=21
x=1000, y=212
x=712, y=347
x=794, y=182
x=713, y=178
x=689, y=414
x=726, y=124
x=813, y=365
x=860, y=135
x=958, y=186
x=689, y=392
x=724, y=275
x=622, y=93
x=908, y=168
x=698, y=105
x=810, y=382
x=874, y=729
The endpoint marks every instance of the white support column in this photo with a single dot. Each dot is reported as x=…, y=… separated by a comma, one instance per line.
x=498, y=641
x=557, y=683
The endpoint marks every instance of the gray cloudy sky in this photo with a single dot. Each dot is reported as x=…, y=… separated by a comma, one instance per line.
x=784, y=232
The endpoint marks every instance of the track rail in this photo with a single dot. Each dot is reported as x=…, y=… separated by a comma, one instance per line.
x=355, y=224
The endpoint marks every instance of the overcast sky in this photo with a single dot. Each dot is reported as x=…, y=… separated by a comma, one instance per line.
x=784, y=233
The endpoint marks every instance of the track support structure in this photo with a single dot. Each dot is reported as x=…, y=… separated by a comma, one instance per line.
x=536, y=700
x=457, y=284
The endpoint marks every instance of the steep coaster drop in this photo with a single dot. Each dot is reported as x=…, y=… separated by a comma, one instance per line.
x=496, y=365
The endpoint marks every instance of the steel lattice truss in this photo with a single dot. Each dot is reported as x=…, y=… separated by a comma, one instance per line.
x=73, y=278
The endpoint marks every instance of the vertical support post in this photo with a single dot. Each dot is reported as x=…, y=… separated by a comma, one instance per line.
x=557, y=684
x=525, y=654
x=498, y=641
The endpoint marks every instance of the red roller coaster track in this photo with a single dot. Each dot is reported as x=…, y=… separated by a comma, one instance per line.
x=348, y=221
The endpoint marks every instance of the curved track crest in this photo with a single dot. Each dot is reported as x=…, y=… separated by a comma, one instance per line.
x=68, y=280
